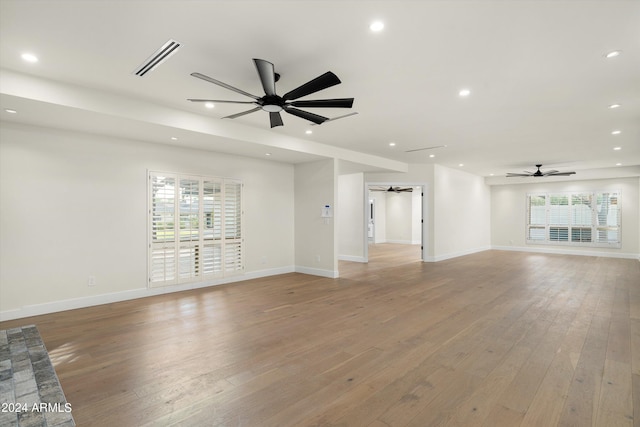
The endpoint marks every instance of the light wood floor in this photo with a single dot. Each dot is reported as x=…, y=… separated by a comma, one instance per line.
x=495, y=338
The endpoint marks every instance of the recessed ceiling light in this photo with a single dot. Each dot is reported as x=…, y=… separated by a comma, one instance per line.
x=490, y=174
x=308, y=131
x=432, y=155
x=29, y=57
x=613, y=54
x=209, y=104
x=461, y=164
x=464, y=93
x=616, y=132
x=617, y=148
x=613, y=106
x=392, y=144
x=618, y=164
x=376, y=26
x=9, y=110
x=173, y=138
x=267, y=154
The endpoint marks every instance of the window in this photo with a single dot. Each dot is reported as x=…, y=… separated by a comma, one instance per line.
x=584, y=218
x=195, y=228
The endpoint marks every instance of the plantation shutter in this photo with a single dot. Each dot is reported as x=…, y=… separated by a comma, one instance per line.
x=537, y=217
x=195, y=228
x=189, y=229
x=232, y=226
x=585, y=218
x=607, y=218
x=581, y=217
x=163, y=239
x=212, y=244
x=559, y=218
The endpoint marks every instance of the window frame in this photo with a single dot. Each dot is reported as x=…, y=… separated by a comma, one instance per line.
x=562, y=225
x=201, y=248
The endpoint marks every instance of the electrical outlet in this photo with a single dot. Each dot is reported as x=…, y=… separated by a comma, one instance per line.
x=91, y=281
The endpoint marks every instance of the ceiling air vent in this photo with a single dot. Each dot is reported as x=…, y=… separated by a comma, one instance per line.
x=158, y=57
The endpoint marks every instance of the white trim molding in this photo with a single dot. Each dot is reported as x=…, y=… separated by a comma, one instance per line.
x=331, y=274
x=561, y=251
x=352, y=258
x=456, y=254
x=75, y=303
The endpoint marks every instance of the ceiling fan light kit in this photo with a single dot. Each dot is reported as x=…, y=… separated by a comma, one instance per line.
x=273, y=104
x=539, y=173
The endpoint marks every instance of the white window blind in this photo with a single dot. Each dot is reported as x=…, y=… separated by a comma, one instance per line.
x=584, y=218
x=195, y=228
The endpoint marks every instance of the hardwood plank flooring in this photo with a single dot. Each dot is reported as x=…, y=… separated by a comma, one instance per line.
x=490, y=339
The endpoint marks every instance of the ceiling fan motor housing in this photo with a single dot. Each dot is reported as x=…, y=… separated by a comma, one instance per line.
x=271, y=103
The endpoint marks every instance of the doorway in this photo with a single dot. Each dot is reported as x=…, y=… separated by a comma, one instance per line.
x=394, y=221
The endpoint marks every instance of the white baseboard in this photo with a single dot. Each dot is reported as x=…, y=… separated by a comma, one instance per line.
x=332, y=274
x=351, y=258
x=75, y=303
x=561, y=251
x=456, y=254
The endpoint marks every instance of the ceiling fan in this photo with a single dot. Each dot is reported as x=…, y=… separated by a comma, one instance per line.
x=539, y=173
x=274, y=104
x=393, y=189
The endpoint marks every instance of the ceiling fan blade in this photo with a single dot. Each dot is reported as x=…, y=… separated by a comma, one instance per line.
x=233, y=116
x=325, y=103
x=224, y=85
x=551, y=172
x=559, y=173
x=306, y=115
x=339, y=117
x=276, y=119
x=509, y=174
x=217, y=101
x=324, y=81
x=267, y=75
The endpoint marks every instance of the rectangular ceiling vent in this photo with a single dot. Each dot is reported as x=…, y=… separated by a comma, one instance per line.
x=158, y=57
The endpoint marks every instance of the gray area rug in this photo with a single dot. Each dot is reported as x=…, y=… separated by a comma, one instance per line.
x=30, y=393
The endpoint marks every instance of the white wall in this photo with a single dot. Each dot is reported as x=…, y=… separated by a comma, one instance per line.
x=416, y=216
x=399, y=226
x=74, y=205
x=462, y=213
x=315, y=241
x=508, y=215
x=380, y=216
x=350, y=217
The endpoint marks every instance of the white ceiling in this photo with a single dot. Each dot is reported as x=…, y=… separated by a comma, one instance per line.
x=539, y=79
